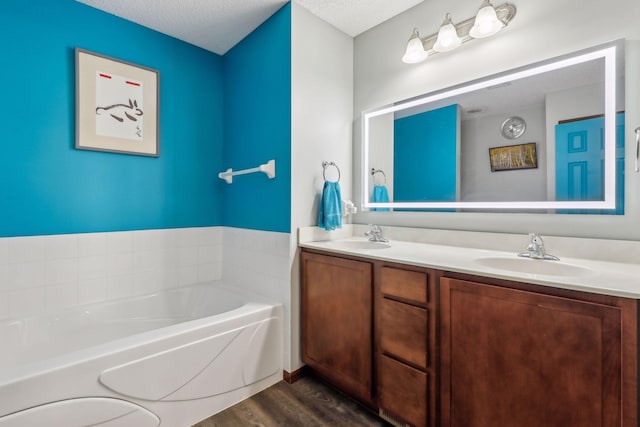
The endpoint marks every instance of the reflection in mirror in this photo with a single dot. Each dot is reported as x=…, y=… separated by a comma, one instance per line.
x=543, y=137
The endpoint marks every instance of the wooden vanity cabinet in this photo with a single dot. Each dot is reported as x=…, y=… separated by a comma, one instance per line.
x=337, y=322
x=405, y=344
x=433, y=348
x=512, y=355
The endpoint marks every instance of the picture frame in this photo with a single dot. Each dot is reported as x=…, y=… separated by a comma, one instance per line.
x=117, y=105
x=510, y=157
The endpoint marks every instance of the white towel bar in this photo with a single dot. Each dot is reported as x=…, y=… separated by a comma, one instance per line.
x=268, y=168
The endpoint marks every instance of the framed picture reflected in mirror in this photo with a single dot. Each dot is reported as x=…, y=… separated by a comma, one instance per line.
x=510, y=157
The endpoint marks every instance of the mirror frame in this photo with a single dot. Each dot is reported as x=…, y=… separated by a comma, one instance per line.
x=607, y=53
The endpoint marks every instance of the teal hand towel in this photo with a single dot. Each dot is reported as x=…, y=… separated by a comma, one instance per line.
x=330, y=210
x=380, y=195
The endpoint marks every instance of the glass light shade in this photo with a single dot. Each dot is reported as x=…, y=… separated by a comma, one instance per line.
x=486, y=23
x=447, y=37
x=415, y=50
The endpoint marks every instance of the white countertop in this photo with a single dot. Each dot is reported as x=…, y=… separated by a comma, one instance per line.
x=587, y=275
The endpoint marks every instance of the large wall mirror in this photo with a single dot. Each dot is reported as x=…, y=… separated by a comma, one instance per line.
x=543, y=138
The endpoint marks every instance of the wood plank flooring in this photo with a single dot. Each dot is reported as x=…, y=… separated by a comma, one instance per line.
x=307, y=402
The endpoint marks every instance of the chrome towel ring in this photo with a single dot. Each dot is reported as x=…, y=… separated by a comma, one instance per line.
x=325, y=165
x=375, y=171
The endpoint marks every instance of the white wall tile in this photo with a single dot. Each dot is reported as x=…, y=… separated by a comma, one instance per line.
x=282, y=244
x=171, y=258
x=210, y=236
x=146, y=282
x=257, y=261
x=278, y=267
x=61, y=271
x=92, y=290
x=4, y=282
x=25, y=249
x=119, y=242
x=92, y=267
x=61, y=296
x=209, y=272
x=119, y=263
x=187, y=275
x=149, y=240
x=4, y=304
x=92, y=244
x=120, y=286
x=148, y=260
x=61, y=246
x=170, y=278
x=258, y=241
x=25, y=275
x=187, y=256
x=232, y=265
x=232, y=237
x=247, y=237
x=187, y=237
x=209, y=254
x=171, y=237
x=273, y=288
x=4, y=251
x=26, y=302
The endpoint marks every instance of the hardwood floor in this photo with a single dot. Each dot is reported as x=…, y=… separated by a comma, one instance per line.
x=307, y=402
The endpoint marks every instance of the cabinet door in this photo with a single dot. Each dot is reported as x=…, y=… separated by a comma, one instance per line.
x=337, y=321
x=516, y=358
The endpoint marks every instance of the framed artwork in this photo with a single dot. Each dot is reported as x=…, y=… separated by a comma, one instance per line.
x=116, y=105
x=521, y=156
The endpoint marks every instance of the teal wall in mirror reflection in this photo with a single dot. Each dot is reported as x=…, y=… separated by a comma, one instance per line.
x=426, y=145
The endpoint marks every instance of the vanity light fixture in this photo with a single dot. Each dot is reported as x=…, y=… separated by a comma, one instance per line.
x=415, y=49
x=488, y=21
x=447, y=36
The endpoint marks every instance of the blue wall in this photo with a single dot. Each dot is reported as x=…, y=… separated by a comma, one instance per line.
x=425, y=145
x=48, y=187
x=257, y=108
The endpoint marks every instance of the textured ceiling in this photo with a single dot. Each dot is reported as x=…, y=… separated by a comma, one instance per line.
x=356, y=16
x=215, y=25
x=218, y=25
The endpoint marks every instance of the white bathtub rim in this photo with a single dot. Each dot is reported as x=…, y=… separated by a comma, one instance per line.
x=34, y=369
x=222, y=284
x=183, y=331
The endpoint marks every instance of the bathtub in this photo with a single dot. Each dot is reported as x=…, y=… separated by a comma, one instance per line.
x=171, y=358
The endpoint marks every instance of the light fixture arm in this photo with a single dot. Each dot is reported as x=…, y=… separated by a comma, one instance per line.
x=505, y=13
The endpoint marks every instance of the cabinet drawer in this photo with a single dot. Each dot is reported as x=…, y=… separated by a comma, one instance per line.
x=403, y=391
x=403, y=332
x=405, y=284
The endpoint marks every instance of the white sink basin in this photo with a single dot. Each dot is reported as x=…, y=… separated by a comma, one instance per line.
x=358, y=244
x=533, y=266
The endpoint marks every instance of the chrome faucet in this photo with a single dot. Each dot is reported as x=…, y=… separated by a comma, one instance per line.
x=535, y=249
x=375, y=234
